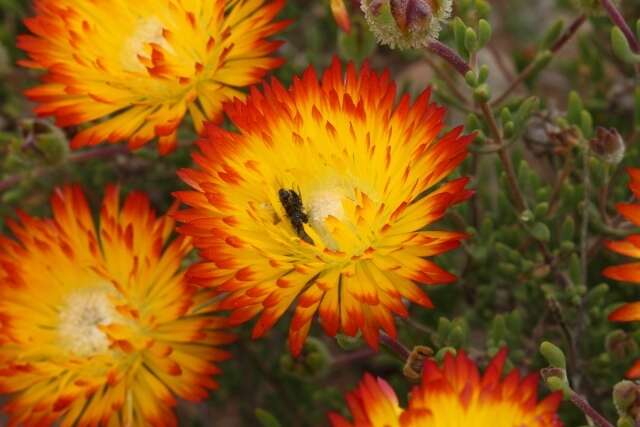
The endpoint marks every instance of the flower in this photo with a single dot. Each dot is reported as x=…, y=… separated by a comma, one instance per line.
x=630, y=272
x=455, y=395
x=341, y=15
x=101, y=326
x=406, y=24
x=322, y=196
x=132, y=70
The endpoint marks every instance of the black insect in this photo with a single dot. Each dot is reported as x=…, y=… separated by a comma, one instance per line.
x=292, y=204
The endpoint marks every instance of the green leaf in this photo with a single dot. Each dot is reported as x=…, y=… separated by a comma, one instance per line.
x=266, y=419
x=553, y=355
x=621, y=47
x=484, y=32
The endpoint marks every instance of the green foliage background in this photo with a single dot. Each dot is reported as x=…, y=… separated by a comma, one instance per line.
x=508, y=293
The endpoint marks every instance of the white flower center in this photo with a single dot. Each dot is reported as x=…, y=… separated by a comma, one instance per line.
x=147, y=30
x=321, y=204
x=80, y=316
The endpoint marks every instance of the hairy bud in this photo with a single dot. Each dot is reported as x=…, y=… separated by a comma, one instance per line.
x=608, y=144
x=406, y=24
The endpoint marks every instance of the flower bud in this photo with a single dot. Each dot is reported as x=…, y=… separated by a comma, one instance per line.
x=608, y=144
x=341, y=15
x=406, y=24
x=553, y=354
x=625, y=395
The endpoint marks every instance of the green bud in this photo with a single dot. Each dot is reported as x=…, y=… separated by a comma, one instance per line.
x=541, y=60
x=456, y=337
x=471, y=79
x=567, y=246
x=552, y=34
x=470, y=40
x=509, y=130
x=266, y=419
x=553, y=355
x=541, y=209
x=483, y=75
x=621, y=47
x=473, y=123
x=348, y=343
x=482, y=93
x=505, y=115
x=586, y=123
x=541, y=232
x=574, y=110
x=527, y=216
x=459, y=31
x=557, y=384
x=484, y=32
x=444, y=326
x=527, y=107
x=626, y=421
x=483, y=8
x=625, y=394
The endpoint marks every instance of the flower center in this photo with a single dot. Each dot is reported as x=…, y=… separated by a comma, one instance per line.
x=147, y=31
x=80, y=317
x=321, y=204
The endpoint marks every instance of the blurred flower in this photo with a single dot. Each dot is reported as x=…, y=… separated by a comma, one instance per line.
x=630, y=272
x=455, y=395
x=406, y=24
x=321, y=196
x=132, y=70
x=341, y=15
x=100, y=326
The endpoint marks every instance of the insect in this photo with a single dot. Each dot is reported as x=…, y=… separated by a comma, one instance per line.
x=292, y=203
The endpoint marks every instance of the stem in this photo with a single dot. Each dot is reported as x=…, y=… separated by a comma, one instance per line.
x=79, y=156
x=512, y=179
x=588, y=410
x=618, y=20
x=584, y=229
x=526, y=72
x=446, y=53
x=395, y=346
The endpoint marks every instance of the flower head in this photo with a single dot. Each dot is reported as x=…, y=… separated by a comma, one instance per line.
x=99, y=326
x=406, y=24
x=323, y=196
x=630, y=272
x=455, y=395
x=132, y=69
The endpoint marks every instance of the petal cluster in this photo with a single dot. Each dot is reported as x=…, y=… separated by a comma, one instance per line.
x=132, y=69
x=322, y=199
x=98, y=325
x=629, y=272
x=455, y=395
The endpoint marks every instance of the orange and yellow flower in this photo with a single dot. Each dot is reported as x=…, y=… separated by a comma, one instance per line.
x=323, y=196
x=99, y=326
x=132, y=69
x=455, y=395
x=630, y=272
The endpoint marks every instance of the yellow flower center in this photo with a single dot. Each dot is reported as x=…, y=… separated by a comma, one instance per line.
x=80, y=317
x=147, y=30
